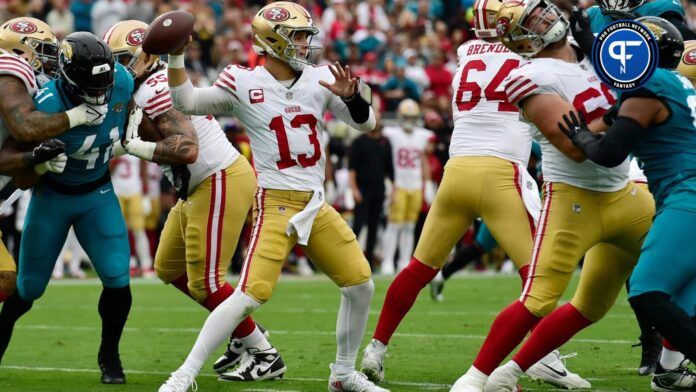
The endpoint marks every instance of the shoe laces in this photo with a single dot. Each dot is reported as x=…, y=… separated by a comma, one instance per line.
x=562, y=358
x=247, y=364
x=182, y=381
x=686, y=373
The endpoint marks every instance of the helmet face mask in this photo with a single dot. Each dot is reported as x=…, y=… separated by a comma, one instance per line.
x=125, y=40
x=298, y=55
x=86, y=68
x=620, y=5
x=34, y=41
x=526, y=31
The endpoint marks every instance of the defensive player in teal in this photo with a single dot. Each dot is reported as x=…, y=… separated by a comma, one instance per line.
x=82, y=196
x=657, y=123
x=607, y=11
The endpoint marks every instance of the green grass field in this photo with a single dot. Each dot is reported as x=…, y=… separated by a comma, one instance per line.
x=54, y=346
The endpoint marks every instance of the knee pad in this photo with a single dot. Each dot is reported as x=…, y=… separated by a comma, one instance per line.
x=538, y=307
x=197, y=290
x=116, y=281
x=260, y=291
x=31, y=289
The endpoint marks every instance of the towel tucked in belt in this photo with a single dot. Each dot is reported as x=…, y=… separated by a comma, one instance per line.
x=530, y=193
x=302, y=222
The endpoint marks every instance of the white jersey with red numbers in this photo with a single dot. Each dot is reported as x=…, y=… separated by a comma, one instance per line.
x=635, y=173
x=284, y=123
x=154, y=177
x=485, y=123
x=407, y=152
x=125, y=175
x=578, y=84
x=215, y=152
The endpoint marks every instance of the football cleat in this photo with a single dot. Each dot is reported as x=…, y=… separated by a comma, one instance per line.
x=472, y=381
x=111, y=369
x=679, y=379
x=551, y=370
x=234, y=353
x=353, y=382
x=258, y=365
x=179, y=381
x=436, y=287
x=504, y=378
x=651, y=347
x=373, y=361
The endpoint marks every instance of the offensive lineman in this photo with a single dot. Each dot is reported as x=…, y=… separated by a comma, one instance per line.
x=281, y=104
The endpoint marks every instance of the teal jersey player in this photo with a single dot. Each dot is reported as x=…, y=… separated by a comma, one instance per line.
x=600, y=18
x=82, y=197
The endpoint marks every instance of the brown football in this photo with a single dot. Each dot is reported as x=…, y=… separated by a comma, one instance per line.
x=168, y=32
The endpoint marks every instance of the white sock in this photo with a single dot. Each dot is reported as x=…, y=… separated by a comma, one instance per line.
x=477, y=376
x=350, y=325
x=389, y=239
x=670, y=360
x=142, y=248
x=256, y=340
x=217, y=329
x=379, y=346
x=406, y=244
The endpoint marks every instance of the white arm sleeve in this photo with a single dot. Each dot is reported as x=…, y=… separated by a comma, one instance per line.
x=201, y=101
x=340, y=110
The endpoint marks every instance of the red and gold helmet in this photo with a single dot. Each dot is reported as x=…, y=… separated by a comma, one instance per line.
x=33, y=40
x=526, y=33
x=125, y=40
x=687, y=65
x=484, y=18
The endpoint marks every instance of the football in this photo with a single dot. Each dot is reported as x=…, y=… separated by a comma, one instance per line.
x=168, y=32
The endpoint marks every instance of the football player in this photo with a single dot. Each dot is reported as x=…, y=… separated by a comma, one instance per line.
x=587, y=209
x=411, y=175
x=281, y=105
x=82, y=196
x=215, y=183
x=28, y=50
x=608, y=11
x=128, y=174
x=490, y=148
x=657, y=123
x=154, y=194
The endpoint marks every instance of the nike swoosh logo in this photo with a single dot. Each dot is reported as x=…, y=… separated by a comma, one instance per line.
x=562, y=373
x=160, y=90
x=261, y=373
x=104, y=191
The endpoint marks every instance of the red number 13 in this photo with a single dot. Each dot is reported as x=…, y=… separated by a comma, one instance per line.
x=298, y=121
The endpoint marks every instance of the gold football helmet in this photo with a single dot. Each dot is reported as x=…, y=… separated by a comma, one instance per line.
x=687, y=65
x=33, y=40
x=125, y=40
x=409, y=114
x=484, y=18
x=526, y=31
x=277, y=31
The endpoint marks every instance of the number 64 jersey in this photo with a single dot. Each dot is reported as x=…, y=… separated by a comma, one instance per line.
x=285, y=124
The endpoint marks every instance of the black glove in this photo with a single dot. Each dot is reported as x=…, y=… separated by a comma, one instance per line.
x=581, y=29
x=576, y=129
x=47, y=150
x=611, y=114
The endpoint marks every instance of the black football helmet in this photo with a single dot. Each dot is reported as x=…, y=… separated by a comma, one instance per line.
x=621, y=6
x=669, y=40
x=86, y=68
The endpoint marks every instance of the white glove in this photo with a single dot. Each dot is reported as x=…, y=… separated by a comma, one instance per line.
x=330, y=192
x=147, y=206
x=133, y=144
x=55, y=165
x=87, y=114
x=430, y=191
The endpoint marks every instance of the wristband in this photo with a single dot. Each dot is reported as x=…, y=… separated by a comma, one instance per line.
x=76, y=117
x=175, y=61
x=141, y=149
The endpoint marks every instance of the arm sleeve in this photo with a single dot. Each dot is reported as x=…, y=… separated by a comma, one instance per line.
x=611, y=149
x=352, y=112
x=202, y=101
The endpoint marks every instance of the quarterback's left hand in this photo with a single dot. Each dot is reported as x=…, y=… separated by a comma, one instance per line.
x=574, y=124
x=133, y=144
x=344, y=86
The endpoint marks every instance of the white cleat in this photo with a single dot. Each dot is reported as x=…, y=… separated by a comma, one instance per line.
x=504, y=378
x=179, y=381
x=551, y=369
x=353, y=382
x=472, y=381
x=373, y=361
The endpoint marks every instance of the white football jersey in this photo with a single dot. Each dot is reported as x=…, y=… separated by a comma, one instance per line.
x=13, y=65
x=407, y=153
x=215, y=152
x=485, y=123
x=635, y=173
x=578, y=84
x=154, y=177
x=125, y=175
x=285, y=124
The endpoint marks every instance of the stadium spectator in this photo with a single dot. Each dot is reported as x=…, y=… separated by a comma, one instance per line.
x=107, y=13
x=82, y=12
x=371, y=13
x=142, y=10
x=61, y=19
x=399, y=87
x=440, y=77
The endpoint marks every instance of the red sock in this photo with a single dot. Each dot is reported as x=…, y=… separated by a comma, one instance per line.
x=401, y=295
x=665, y=344
x=524, y=271
x=553, y=332
x=181, y=283
x=213, y=300
x=3, y=296
x=507, y=331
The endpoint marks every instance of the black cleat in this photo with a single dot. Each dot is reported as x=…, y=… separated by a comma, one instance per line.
x=111, y=369
x=679, y=379
x=233, y=354
x=651, y=347
x=257, y=366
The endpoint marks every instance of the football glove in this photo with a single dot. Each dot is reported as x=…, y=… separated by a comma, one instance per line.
x=47, y=150
x=581, y=29
x=576, y=129
x=87, y=114
x=133, y=144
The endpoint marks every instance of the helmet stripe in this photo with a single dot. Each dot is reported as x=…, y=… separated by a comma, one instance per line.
x=482, y=14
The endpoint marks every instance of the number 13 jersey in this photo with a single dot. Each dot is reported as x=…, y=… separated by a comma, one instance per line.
x=284, y=123
x=485, y=123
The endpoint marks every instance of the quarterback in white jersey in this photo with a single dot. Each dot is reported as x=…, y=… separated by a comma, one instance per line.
x=587, y=210
x=215, y=184
x=282, y=106
x=411, y=175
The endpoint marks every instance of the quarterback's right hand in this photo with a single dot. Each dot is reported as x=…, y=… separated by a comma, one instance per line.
x=87, y=114
x=55, y=165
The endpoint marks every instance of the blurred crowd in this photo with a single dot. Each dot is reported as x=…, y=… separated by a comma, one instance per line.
x=402, y=48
